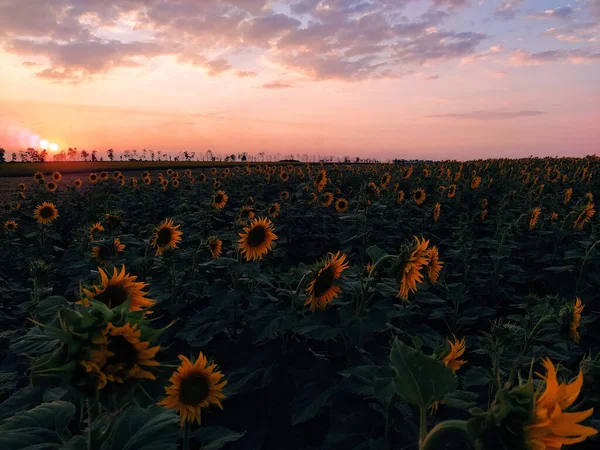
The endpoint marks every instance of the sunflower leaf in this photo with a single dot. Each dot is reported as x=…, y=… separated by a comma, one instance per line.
x=214, y=438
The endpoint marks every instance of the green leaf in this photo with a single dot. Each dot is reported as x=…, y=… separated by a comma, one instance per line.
x=214, y=438
x=375, y=253
x=21, y=400
x=153, y=428
x=308, y=406
x=420, y=380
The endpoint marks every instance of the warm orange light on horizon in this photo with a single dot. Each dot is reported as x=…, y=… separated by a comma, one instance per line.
x=53, y=147
x=44, y=144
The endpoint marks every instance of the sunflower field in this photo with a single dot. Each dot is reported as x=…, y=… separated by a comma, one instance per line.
x=441, y=305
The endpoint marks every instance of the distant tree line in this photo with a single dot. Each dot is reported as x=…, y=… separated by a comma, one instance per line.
x=73, y=154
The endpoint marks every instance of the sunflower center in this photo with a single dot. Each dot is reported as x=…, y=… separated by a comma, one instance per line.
x=46, y=212
x=104, y=253
x=324, y=281
x=257, y=236
x=245, y=214
x=218, y=198
x=163, y=237
x=114, y=295
x=124, y=352
x=194, y=390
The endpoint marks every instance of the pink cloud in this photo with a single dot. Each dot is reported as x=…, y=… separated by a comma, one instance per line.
x=521, y=58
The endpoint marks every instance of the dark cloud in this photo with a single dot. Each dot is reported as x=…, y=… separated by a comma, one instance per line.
x=487, y=115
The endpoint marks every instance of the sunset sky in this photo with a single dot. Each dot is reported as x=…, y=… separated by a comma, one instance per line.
x=381, y=78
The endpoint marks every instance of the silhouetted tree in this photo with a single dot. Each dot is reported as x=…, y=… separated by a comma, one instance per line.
x=152, y=155
x=14, y=157
x=111, y=154
x=43, y=155
x=94, y=155
x=2, y=152
x=84, y=155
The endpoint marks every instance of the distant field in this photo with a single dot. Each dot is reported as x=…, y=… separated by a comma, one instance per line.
x=26, y=169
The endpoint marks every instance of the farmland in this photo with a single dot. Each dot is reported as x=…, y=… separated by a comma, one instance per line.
x=269, y=306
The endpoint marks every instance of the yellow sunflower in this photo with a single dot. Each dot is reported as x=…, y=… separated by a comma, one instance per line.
x=119, y=354
x=568, y=194
x=215, y=247
x=322, y=290
x=11, y=226
x=104, y=175
x=245, y=214
x=553, y=218
x=457, y=349
x=216, y=184
x=575, y=319
x=284, y=176
x=23, y=186
x=326, y=199
x=435, y=265
x=45, y=213
x=436, y=211
x=38, y=176
x=257, y=239
x=484, y=214
x=534, y=217
x=194, y=386
x=96, y=228
x=93, y=178
x=147, y=180
x=102, y=254
x=219, y=200
x=51, y=186
x=116, y=174
x=274, y=210
x=285, y=195
x=321, y=180
x=452, y=191
x=78, y=183
x=166, y=235
x=419, y=196
x=418, y=258
x=57, y=176
x=400, y=197
x=341, y=205
x=117, y=290
x=551, y=426
x=584, y=216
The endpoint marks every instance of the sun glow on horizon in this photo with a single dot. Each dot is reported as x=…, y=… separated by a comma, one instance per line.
x=44, y=144
x=53, y=147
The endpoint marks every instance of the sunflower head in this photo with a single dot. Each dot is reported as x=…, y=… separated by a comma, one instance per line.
x=57, y=176
x=116, y=174
x=584, y=216
x=436, y=211
x=117, y=290
x=194, y=385
x=284, y=176
x=245, y=214
x=51, y=186
x=257, y=239
x=326, y=199
x=534, y=217
x=285, y=195
x=320, y=180
x=78, y=183
x=321, y=290
x=38, y=176
x=11, y=226
x=105, y=253
x=104, y=175
x=219, y=200
x=45, y=213
x=419, y=196
x=399, y=197
x=166, y=236
x=453, y=350
x=215, y=247
x=452, y=191
x=274, y=210
x=570, y=315
x=410, y=266
x=372, y=191
x=341, y=205
x=93, y=178
x=96, y=228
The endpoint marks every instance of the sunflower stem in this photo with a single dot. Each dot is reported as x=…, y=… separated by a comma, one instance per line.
x=367, y=285
x=433, y=437
x=422, y=426
x=186, y=436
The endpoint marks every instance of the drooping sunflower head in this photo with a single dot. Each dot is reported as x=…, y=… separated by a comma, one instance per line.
x=45, y=213
x=119, y=354
x=372, y=191
x=435, y=265
x=400, y=197
x=38, y=176
x=257, y=239
x=219, y=200
x=78, y=183
x=215, y=247
x=385, y=179
x=93, y=178
x=117, y=289
x=571, y=318
x=96, y=228
x=326, y=199
x=166, y=235
x=195, y=385
x=321, y=180
x=313, y=198
x=419, y=195
x=341, y=205
x=104, y=253
x=475, y=182
x=411, y=263
x=188, y=173
x=104, y=175
x=11, y=226
x=589, y=196
x=484, y=203
x=57, y=176
x=553, y=217
x=285, y=195
x=452, y=191
x=116, y=174
x=51, y=186
x=245, y=214
x=321, y=290
x=436, y=211
x=584, y=216
x=454, y=350
x=534, y=217
x=274, y=210
x=484, y=214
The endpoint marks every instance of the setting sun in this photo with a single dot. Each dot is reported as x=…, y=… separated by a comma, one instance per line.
x=53, y=147
x=44, y=144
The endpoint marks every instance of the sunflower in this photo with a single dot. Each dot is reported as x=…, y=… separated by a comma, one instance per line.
x=372, y=190
x=575, y=319
x=245, y=214
x=104, y=175
x=117, y=290
x=321, y=289
x=11, y=226
x=22, y=195
x=484, y=203
x=175, y=183
x=321, y=180
x=51, y=186
x=274, y=210
x=419, y=196
x=219, y=200
x=213, y=171
x=93, y=178
x=285, y=195
x=78, y=183
x=435, y=265
x=534, y=217
x=38, y=176
x=147, y=180
x=166, y=235
x=215, y=247
x=484, y=214
x=96, y=228
x=57, y=176
x=553, y=218
x=568, y=194
x=45, y=213
x=341, y=205
x=584, y=216
x=118, y=354
x=194, y=386
x=257, y=239
x=456, y=350
x=326, y=199
x=418, y=258
x=23, y=186
x=589, y=196
x=117, y=174
x=400, y=197
x=436, y=211
x=188, y=173
x=551, y=427
x=103, y=253
x=284, y=176
x=452, y=191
